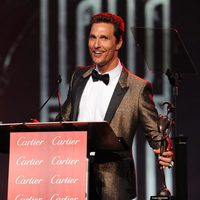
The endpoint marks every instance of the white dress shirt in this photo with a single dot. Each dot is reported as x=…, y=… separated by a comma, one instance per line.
x=97, y=95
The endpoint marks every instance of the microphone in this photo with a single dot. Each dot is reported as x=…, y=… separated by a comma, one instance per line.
x=55, y=92
x=59, y=80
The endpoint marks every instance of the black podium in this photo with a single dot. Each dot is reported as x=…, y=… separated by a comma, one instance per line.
x=100, y=139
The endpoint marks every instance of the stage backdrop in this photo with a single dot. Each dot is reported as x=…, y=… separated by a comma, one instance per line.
x=41, y=39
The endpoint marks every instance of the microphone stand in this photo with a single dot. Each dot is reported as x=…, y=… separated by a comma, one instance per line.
x=180, y=143
x=55, y=92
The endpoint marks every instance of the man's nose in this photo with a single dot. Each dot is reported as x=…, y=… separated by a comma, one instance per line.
x=97, y=43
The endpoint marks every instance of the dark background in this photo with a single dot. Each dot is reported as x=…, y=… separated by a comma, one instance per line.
x=20, y=62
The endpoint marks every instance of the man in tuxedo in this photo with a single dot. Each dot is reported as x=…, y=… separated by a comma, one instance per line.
x=107, y=91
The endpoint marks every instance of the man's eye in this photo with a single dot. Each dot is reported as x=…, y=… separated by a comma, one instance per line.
x=104, y=38
x=92, y=37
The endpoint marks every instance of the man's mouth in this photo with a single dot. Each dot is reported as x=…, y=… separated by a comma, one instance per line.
x=97, y=53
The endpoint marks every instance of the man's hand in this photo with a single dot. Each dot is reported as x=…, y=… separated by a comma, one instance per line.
x=166, y=159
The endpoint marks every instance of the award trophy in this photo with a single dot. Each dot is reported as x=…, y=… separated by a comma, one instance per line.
x=164, y=126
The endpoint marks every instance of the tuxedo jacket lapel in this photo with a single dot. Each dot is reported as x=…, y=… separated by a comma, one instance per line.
x=79, y=92
x=119, y=92
x=115, y=101
x=78, y=89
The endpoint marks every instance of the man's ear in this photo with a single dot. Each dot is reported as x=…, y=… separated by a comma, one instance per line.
x=119, y=44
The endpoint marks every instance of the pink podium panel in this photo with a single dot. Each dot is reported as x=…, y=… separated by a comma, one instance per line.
x=47, y=165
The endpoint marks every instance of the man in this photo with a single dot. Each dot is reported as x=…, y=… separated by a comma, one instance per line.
x=119, y=97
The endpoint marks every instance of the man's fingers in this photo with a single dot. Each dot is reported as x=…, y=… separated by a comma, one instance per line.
x=156, y=151
x=168, y=154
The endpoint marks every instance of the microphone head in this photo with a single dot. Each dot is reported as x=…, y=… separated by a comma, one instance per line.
x=59, y=80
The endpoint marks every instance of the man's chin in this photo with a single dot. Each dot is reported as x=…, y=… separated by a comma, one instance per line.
x=98, y=63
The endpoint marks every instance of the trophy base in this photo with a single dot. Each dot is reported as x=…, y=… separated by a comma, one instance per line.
x=162, y=198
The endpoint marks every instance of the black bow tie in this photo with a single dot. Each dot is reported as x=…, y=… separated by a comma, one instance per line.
x=99, y=77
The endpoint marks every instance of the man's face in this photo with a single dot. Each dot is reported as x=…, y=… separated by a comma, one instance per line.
x=102, y=45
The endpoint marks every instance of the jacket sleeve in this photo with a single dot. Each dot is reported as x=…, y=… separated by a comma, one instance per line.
x=148, y=116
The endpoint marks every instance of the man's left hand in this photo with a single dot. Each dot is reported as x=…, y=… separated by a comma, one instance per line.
x=166, y=159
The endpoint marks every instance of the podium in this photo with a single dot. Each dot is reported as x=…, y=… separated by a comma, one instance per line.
x=51, y=160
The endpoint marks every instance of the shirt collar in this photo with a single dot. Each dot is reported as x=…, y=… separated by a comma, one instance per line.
x=114, y=72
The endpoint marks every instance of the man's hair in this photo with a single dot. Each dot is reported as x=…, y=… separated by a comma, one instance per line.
x=116, y=20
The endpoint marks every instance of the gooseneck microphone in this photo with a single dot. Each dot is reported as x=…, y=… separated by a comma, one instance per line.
x=54, y=93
